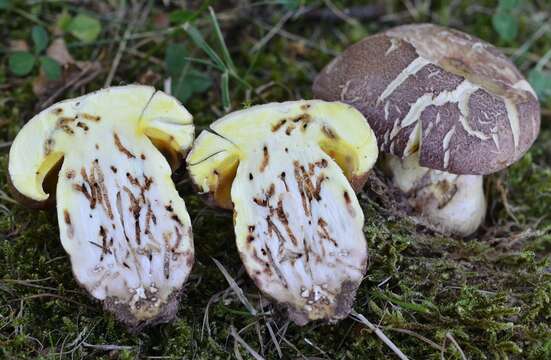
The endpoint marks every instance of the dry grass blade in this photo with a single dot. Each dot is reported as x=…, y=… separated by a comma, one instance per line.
x=272, y=32
x=420, y=337
x=107, y=347
x=274, y=340
x=242, y=342
x=363, y=320
x=235, y=287
x=452, y=339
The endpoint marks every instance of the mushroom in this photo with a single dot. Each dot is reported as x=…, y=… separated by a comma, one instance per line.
x=289, y=171
x=445, y=106
x=121, y=220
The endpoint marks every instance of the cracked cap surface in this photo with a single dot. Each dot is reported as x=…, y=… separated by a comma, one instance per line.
x=454, y=97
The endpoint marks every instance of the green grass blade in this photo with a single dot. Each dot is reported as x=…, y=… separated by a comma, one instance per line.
x=225, y=87
x=198, y=39
x=220, y=38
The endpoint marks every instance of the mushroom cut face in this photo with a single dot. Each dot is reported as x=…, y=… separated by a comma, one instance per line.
x=121, y=220
x=455, y=98
x=298, y=223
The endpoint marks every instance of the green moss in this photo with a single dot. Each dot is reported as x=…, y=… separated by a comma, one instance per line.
x=491, y=294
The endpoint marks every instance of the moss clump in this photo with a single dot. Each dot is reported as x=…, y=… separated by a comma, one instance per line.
x=490, y=294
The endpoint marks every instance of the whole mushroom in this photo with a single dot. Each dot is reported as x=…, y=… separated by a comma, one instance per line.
x=121, y=220
x=446, y=107
x=289, y=171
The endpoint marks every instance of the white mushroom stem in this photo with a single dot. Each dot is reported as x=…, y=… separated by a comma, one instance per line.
x=447, y=202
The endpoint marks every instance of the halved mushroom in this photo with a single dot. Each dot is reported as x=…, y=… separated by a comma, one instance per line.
x=445, y=106
x=287, y=169
x=121, y=220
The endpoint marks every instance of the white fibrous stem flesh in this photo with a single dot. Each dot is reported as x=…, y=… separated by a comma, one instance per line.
x=121, y=220
x=289, y=170
x=447, y=202
x=128, y=234
x=299, y=228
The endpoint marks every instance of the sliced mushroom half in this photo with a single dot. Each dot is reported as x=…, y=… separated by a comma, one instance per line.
x=121, y=220
x=289, y=171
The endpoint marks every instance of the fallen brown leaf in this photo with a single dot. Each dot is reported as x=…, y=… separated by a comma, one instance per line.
x=58, y=51
x=19, y=45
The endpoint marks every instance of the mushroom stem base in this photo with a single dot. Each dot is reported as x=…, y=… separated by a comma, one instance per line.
x=447, y=202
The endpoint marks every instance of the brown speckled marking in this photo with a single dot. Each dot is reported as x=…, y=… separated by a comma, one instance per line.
x=348, y=203
x=300, y=183
x=265, y=158
x=289, y=129
x=83, y=126
x=283, y=219
x=305, y=118
x=102, y=189
x=282, y=177
x=48, y=146
x=70, y=174
x=121, y=147
x=328, y=132
x=67, y=219
x=278, y=125
x=89, y=117
x=276, y=268
x=324, y=234
x=178, y=239
x=121, y=216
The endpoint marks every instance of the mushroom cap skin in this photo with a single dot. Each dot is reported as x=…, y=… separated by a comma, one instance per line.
x=454, y=97
x=121, y=220
x=285, y=168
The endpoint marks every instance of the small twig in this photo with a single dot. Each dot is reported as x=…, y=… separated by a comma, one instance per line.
x=361, y=12
x=528, y=43
x=5, y=144
x=294, y=37
x=340, y=14
x=544, y=60
x=449, y=336
x=274, y=340
x=273, y=31
x=118, y=56
x=79, y=79
x=36, y=296
x=418, y=336
x=240, y=340
x=309, y=342
x=235, y=287
x=363, y=320
x=106, y=347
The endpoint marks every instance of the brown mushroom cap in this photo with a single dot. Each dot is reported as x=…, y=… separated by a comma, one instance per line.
x=477, y=112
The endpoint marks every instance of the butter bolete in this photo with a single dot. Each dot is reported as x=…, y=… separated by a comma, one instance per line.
x=121, y=220
x=289, y=171
x=445, y=106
